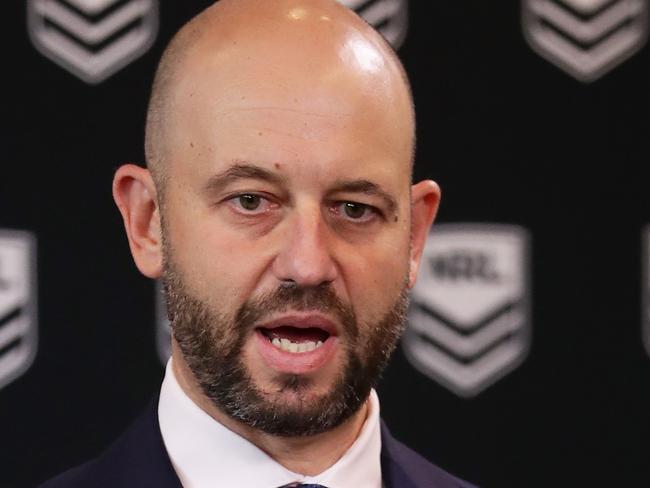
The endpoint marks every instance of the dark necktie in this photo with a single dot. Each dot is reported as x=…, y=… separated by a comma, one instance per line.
x=303, y=485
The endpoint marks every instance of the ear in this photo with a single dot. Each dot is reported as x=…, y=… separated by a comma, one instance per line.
x=135, y=195
x=425, y=197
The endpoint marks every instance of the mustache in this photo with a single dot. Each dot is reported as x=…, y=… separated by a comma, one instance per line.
x=321, y=298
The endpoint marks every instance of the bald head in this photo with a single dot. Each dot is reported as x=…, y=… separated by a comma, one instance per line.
x=319, y=43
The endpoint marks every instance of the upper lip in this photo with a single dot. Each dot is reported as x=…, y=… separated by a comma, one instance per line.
x=303, y=321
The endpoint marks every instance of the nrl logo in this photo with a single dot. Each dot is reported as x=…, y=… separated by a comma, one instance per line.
x=163, y=328
x=92, y=39
x=389, y=17
x=469, y=318
x=18, y=321
x=645, y=280
x=585, y=38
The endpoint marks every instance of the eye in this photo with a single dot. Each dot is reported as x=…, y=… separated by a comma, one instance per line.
x=356, y=212
x=250, y=203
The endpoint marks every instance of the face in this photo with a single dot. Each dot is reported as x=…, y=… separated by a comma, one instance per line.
x=286, y=226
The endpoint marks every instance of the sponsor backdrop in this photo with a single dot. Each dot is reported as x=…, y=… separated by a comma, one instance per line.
x=527, y=356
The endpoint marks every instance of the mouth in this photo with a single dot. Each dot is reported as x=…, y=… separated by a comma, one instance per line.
x=298, y=343
x=295, y=339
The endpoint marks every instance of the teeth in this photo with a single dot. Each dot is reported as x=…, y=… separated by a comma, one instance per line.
x=295, y=347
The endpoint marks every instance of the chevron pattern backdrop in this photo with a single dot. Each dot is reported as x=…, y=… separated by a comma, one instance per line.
x=526, y=360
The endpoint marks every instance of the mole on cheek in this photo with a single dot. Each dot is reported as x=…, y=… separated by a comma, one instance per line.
x=277, y=165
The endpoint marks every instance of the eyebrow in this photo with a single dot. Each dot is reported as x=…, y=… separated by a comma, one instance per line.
x=367, y=188
x=240, y=170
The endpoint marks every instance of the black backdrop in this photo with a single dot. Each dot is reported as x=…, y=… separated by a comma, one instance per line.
x=510, y=138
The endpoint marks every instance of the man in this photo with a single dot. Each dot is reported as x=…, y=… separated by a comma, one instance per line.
x=278, y=209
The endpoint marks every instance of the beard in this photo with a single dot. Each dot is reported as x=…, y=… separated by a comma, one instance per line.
x=212, y=343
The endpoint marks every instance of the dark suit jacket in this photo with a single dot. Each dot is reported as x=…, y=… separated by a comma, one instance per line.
x=138, y=459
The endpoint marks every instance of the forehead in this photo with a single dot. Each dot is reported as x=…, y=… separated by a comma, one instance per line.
x=273, y=102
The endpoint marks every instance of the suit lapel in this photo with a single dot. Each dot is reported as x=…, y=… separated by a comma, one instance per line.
x=402, y=467
x=393, y=472
x=139, y=457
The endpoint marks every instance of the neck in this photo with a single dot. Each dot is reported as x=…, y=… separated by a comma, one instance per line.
x=308, y=455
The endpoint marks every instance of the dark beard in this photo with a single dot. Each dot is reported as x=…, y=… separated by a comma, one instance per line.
x=212, y=343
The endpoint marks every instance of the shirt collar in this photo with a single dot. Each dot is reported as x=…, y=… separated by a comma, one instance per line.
x=206, y=454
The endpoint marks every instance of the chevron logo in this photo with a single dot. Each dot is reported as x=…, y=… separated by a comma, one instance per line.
x=92, y=39
x=469, y=319
x=389, y=17
x=585, y=38
x=645, y=293
x=18, y=321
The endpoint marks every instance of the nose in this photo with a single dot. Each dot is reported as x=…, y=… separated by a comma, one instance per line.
x=305, y=257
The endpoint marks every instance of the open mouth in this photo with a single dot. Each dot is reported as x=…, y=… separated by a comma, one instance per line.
x=295, y=339
x=298, y=342
x=298, y=333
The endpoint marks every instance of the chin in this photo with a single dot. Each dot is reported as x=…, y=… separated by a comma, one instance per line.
x=300, y=389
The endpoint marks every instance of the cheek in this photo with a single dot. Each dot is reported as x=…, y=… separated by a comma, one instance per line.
x=376, y=277
x=219, y=266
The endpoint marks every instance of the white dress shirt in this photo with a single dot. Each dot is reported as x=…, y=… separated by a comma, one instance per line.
x=205, y=454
